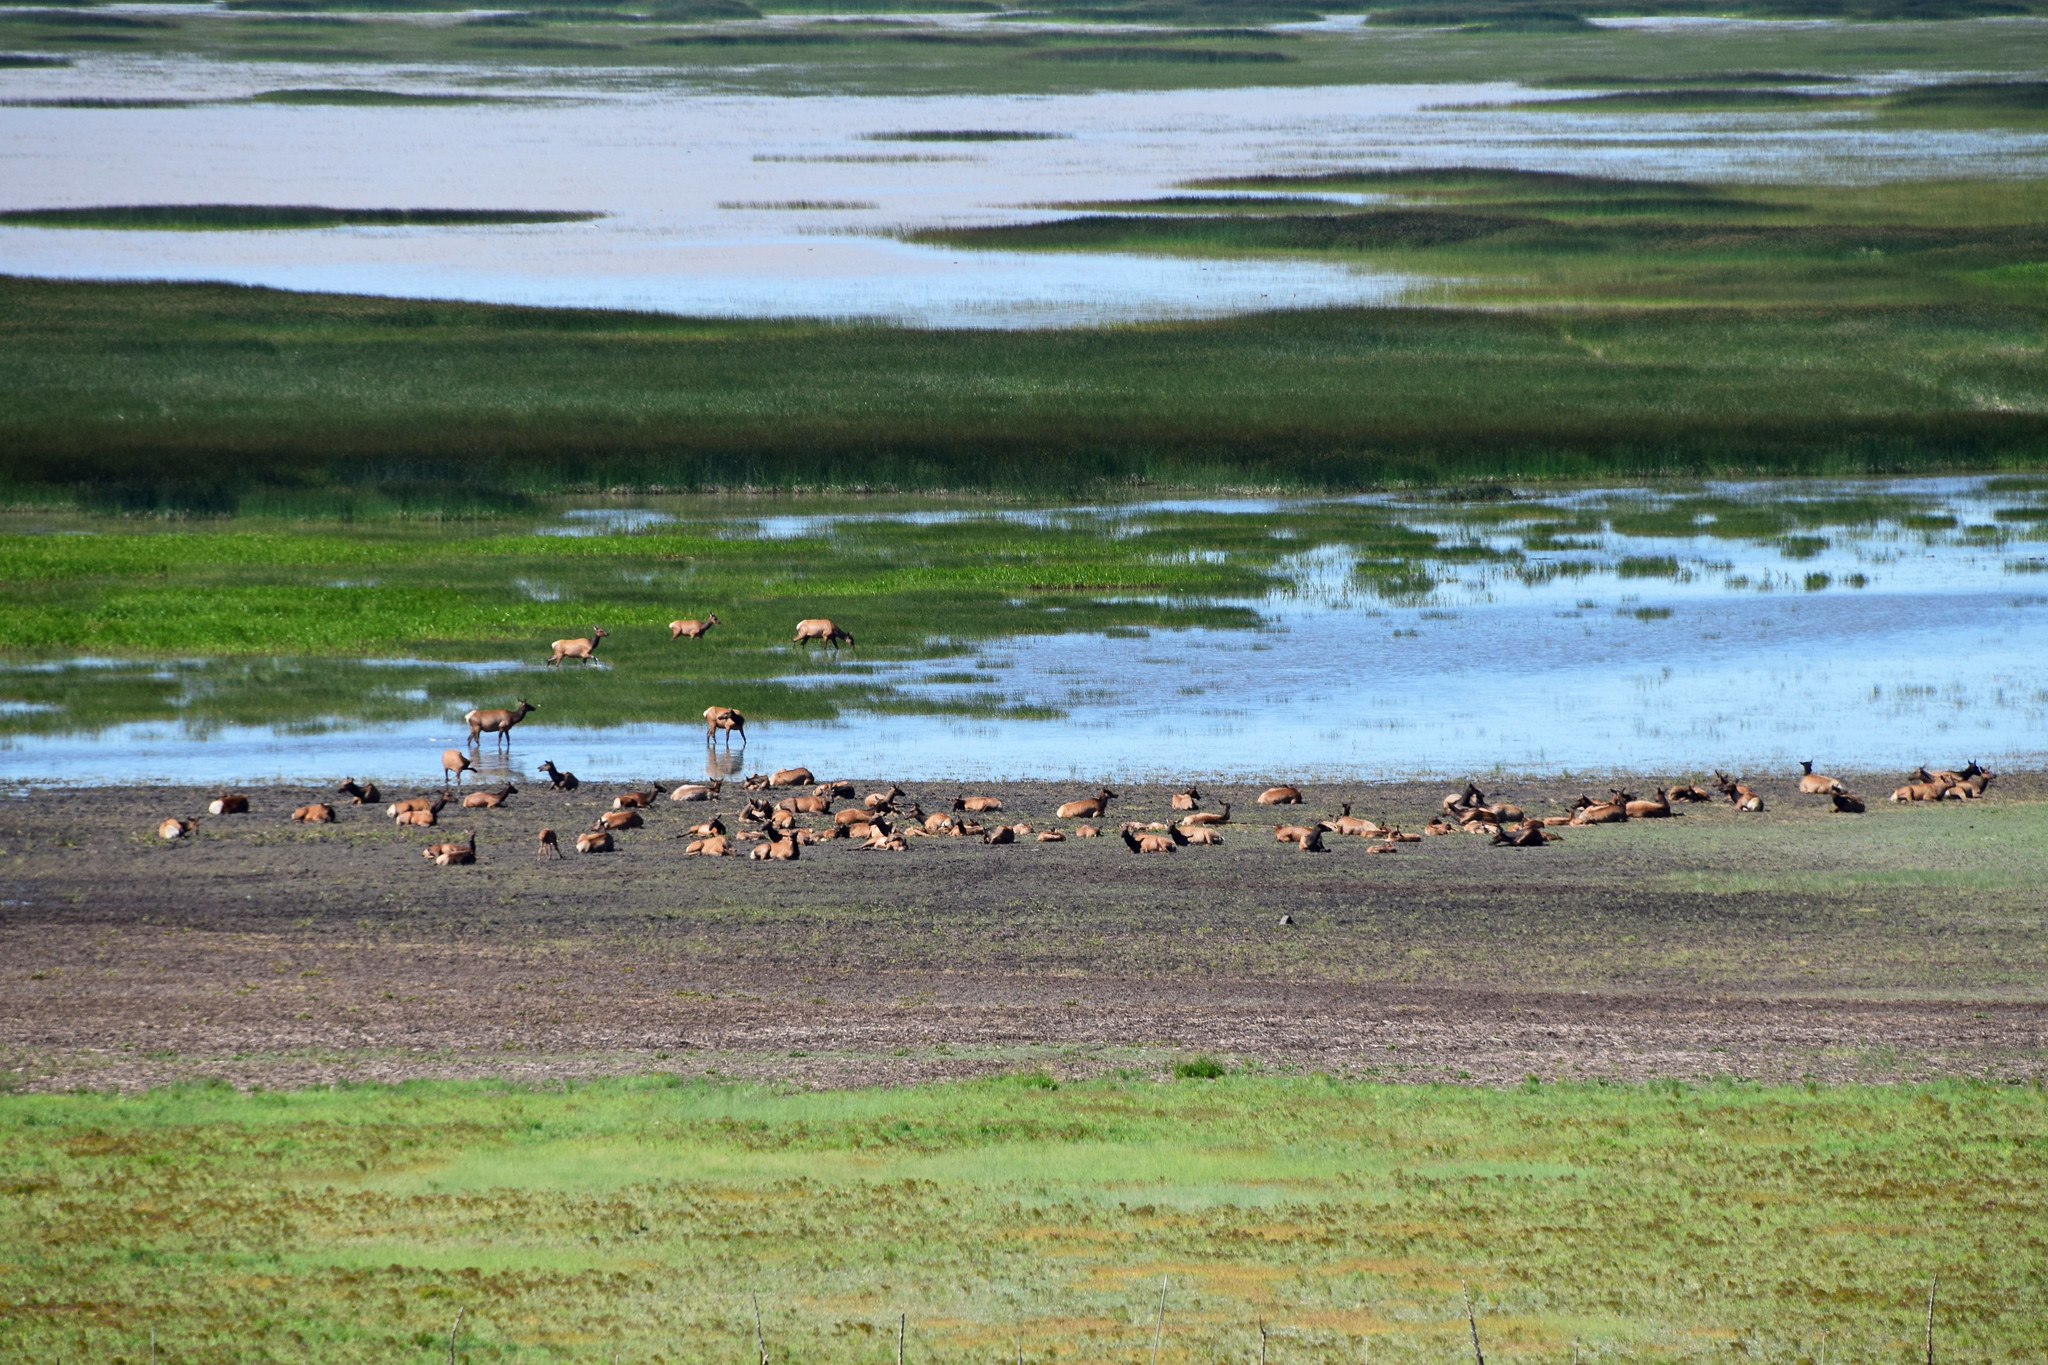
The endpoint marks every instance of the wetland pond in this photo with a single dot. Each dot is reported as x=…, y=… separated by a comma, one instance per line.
x=1872, y=625
x=725, y=204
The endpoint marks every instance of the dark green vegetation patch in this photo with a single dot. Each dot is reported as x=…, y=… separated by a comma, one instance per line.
x=252, y=217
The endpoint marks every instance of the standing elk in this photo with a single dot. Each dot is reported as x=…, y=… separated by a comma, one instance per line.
x=691, y=630
x=585, y=649
x=548, y=847
x=820, y=629
x=1812, y=783
x=724, y=718
x=559, y=780
x=454, y=761
x=1280, y=796
x=498, y=723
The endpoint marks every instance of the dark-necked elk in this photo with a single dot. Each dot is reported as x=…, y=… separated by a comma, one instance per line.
x=548, y=847
x=978, y=804
x=1187, y=800
x=792, y=777
x=585, y=649
x=1690, y=792
x=1208, y=817
x=1147, y=843
x=1740, y=795
x=782, y=851
x=228, y=803
x=315, y=814
x=1812, y=783
x=634, y=800
x=1294, y=834
x=1587, y=811
x=498, y=722
x=364, y=794
x=1347, y=823
x=454, y=761
x=724, y=718
x=559, y=780
x=1089, y=808
x=1847, y=803
x=1528, y=835
x=175, y=828
x=691, y=630
x=882, y=800
x=595, y=841
x=822, y=630
x=1463, y=800
x=1280, y=796
x=453, y=855
x=1000, y=834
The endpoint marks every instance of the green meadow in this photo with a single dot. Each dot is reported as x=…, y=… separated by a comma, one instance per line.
x=643, y=1220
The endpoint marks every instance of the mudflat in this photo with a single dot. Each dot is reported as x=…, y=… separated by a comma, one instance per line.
x=1908, y=942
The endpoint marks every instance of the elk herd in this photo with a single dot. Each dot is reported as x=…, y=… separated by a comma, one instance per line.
x=783, y=812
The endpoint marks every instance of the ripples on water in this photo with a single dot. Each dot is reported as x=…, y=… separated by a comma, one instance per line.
x=1917, y=636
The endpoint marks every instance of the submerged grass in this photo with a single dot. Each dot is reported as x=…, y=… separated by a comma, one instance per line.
x=272, y=217
x=1028, y=1214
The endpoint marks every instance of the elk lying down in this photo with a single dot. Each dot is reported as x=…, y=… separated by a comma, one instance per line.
x=1091, y=808
x=1812, y=783
x=1187, y=800
x=595, y=841
x=1280, y=796
x=315, y=814
x=228, y=803
x=489, y=800
x=711, y=846
x=619, y=819
x=978, y=804
x=782, y=851
x=176, y=829
x=452, y=855
x=559, y=780
x=1847, y=803
x=792, y=777
x=696, y=791
x=1207, y=817
x=1147, y=843
x=363, y=795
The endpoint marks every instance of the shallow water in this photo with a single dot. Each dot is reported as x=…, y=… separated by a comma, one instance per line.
x=683, y=175
x=1875, y=644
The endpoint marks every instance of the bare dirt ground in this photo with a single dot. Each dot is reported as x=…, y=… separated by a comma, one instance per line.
x=1910, y=942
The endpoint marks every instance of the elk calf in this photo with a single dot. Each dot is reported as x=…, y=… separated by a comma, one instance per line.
x=691, y=630
x=548, y=847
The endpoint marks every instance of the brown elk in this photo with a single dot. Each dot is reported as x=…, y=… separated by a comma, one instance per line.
x=782, y=851
x=1200, y=834
x=1207, y=817
x=1969, y=771
x=791, y=777
x=692, y=630
x=1847, y=803
x=710, y=846
x=1740, y=794
x=1001, y=834
x=806, y=805
x=714, y=826
x=1347, y=823
x=637, y=800
x=852, y=815
x=498, y=723
x=724, y=718
x=883, y=800
x=1969, y=789
x=414, y=803
x=1088, y=831
x=559, y=780
x=1529, y=835
x=315, y=814
x=363, y=795
x=228, y=803
x=1280, y=796
x=1660, y=809
x=1812, y=783
x=697, y=791
x=842, y=790
x=881, y=842
x=1294, y=834
x=1091, y=808
x=585, y=650
x=619, y=819
x=1922, y=791
x=175, y=828
x=1052, y=836
x=548, y=847
x=1458, y=801
x=822, y=630
x=1690, y=792
x=1591, y=812
x=1313, y=843
x=980, y=805
x=489, y=800
x=1436, y=825
x=454, y=761
x=1187, y=800
x=1147, y=843
x=424, y=819
x=450, y=855
x=595, y=841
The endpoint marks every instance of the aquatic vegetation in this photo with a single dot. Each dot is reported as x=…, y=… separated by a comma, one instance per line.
x=271, y=217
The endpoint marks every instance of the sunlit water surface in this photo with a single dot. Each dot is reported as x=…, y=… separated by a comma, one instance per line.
x=1870, y=647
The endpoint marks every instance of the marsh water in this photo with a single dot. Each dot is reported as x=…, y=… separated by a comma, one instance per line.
x=718, y=203
x=1900, y=622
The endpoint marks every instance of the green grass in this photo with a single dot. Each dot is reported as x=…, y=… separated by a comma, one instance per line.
x=271, y=217
x=1655, y=1223
x=202, y=397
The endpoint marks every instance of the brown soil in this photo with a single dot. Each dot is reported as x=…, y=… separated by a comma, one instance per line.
x=271, y=953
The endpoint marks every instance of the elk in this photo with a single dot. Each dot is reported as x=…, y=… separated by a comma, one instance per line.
x=714, y=826
x=697, y=791
x=710, y=846
x=783, y=850
x=632, y=800
x=595, y=841
x=1812, y=783
x=411, y=803
x=1847, y=803
x=1690, y=792
x=1147, y=843
x=1922, y=791
x=1207, y=817
x=1091, y=808
x=1311, y=843
x=488, y=800
x=880, y=842
x=364, y=795
x=176, y=829
x=1088, y=832
x=843, y=790
x=559, y=780
x=454, y=761
x=883, y=800
x=1187, y=800
x=448, y=855
x=619, y=819
x=585, y=650
x=1052, y=836
x=978, y=804
x=822, y=630
x=424, y=819
x=229, y=803
x=1971, y=788
x=806, y=805
x=1436, y=825
x=1291, y=834
x=499, y=723
x=1347, y=823
x=724, y=718
x=1458, y=801
x=315, y=814
x=852, y=815
x=1660, y=809
x=1530, y=835
x=1593, y=812
x=547, y=847
x=1001, y=834
x=1280, y=796
x=1740, y=795
x=692, y=630
x=792, y=777
x=1201, y=834
x=1969, y=771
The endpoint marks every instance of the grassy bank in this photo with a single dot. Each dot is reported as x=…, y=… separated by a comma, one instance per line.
x=149, y=397
x=640, y=1220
